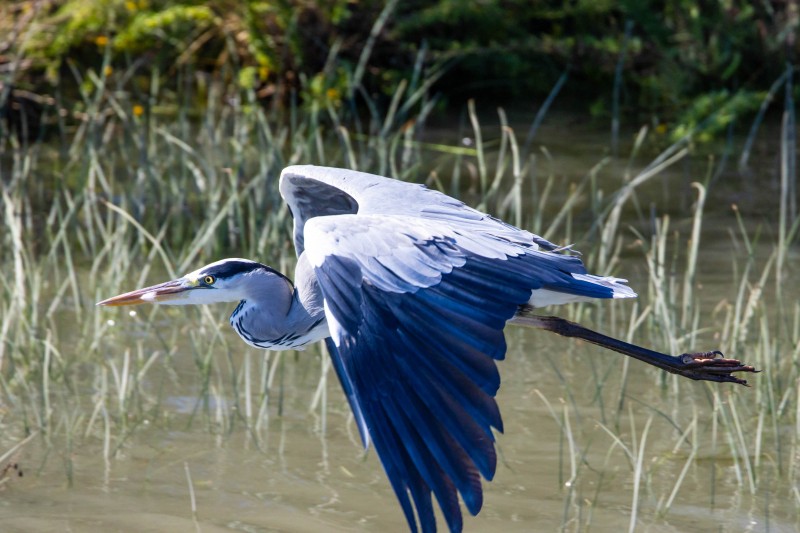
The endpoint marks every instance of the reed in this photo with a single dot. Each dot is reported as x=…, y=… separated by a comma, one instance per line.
x=136, y=194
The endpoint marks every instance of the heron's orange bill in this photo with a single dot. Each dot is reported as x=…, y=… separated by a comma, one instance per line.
x=157, y=293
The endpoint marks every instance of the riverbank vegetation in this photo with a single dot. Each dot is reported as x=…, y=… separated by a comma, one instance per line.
x=662, y=62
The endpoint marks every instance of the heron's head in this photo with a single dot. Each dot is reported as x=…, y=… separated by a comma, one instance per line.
x=228, y=280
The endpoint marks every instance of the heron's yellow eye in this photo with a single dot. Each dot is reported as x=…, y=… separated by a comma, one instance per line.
x=209, y=280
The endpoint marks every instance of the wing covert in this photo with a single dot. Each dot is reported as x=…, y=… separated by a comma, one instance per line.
x=313, y=191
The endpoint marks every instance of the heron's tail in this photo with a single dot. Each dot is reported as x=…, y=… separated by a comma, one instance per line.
x=617, y=285
x=580, y=288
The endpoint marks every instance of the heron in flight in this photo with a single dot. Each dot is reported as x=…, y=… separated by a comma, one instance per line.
x=411, y=291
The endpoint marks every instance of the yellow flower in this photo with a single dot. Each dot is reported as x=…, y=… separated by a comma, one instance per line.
x=333, y=94
x=130, y=6
x=263, y=73
x=138, y=110
x=101, y=40
x=108, y=70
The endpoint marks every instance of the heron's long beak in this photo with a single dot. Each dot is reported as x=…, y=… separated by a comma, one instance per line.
x=163, y=292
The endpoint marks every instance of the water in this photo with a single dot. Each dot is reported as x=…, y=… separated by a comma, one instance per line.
x=567, y=460
x=293, y=477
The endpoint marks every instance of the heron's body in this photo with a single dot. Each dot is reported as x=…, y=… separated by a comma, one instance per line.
x=412, y=290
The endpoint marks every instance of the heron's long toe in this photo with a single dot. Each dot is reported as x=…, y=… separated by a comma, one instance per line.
x=713, y=366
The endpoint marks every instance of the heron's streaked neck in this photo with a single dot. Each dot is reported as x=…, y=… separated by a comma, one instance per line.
x=283, y=317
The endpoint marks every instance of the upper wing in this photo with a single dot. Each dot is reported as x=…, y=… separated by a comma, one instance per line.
x=416, y=311
x=312, y=191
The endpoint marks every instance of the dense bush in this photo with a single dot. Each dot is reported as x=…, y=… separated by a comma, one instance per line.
x=668, y=52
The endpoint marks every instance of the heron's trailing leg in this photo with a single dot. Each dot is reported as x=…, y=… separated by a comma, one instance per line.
x=708, y=366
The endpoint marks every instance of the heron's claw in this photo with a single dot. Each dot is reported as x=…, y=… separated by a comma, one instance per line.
x=712, y=366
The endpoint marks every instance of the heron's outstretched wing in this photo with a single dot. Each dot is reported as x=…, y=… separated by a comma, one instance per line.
x=416, y=310
x=312, y=191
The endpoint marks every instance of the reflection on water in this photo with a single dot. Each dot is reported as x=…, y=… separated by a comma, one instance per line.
x=290, y=477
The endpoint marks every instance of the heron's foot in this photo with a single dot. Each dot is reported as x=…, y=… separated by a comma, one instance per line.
x=712, y=366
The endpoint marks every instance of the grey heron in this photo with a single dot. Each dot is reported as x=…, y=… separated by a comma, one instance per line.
x=411, y=290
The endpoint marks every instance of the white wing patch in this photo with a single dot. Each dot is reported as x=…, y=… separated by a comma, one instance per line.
x=396, y=260
x=336, y=329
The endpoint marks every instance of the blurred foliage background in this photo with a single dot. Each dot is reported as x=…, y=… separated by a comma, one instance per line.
x=669, y=59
